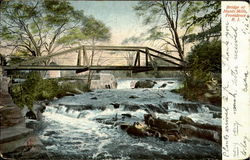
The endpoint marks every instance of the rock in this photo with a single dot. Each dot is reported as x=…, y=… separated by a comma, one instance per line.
x=186, y=120
x=127, y=115
x=155, y=108
x=216, y=115
x=10, y=116
x=93, y=98
x=116, y=105
x=31, y=115
x=133, y=97
x=124, y=126
x=49, y=133
x=145, y=84
x=193, y=131
x=78, y=107
x=14, y=133
x=190, y=107
x=159, y=123
x=170, y=82
x=163, y=85
x=137, y=130
x=6, y=100
x=131, y=107
x=4, y=85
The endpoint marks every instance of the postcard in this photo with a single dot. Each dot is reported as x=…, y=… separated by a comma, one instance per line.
x=124, y=80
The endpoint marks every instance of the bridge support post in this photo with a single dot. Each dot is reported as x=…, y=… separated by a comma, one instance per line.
x=79, y=59
x=153, y=63
x=147, y=53
x=139, y=61
x=85, y=57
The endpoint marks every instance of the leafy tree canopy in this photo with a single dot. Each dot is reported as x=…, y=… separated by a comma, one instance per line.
x=90, y=29
x=38, y=27
x=174, y=22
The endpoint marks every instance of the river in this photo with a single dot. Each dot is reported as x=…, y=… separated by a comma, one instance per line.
x=86, y=126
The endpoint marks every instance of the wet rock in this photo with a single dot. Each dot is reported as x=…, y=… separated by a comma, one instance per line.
x=49, y=133
x=152, y=121
x=78, y=107
x=163, y=85
x=131, y=107
x=80, y=115
x=187, y=120
x=165, y=105
x=216, y=115
x=133, y=96
x=94, y=98
x=145, y=84
x=116, y=105
x=170, y=82
x=193, y=131
x=124, y=126
x=127, y=115
x=189, y=107
x=31, y=115
x=137, y=130
x=173, y=130
x=155, y=108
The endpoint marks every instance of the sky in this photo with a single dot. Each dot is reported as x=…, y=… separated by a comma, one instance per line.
x=119, y=16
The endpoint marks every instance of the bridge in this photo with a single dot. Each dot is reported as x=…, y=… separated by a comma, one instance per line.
x=145, y=60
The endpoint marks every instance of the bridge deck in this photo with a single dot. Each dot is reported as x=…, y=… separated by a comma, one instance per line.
x=85, y=68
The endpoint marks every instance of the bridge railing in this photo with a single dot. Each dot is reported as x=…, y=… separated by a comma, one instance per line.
x=150, y=55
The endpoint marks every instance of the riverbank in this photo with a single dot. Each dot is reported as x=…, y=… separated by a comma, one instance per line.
x=207, y=92
x=16, y=140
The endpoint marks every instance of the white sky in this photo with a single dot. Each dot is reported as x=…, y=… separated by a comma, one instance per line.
x=119, y=16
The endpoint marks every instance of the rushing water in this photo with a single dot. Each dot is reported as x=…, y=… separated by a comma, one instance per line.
x=86, y=126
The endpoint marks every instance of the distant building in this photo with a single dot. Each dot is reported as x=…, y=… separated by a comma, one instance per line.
x=105, y=80
x=51, y=73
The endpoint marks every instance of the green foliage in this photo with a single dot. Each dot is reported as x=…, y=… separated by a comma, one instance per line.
x=204, y=62
x=90, y=29
x=206, y=57
x=35, y=26
x=35, y=88
x=205, y=15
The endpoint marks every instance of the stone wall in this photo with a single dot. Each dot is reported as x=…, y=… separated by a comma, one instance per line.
x=16, y=141
x=4, y=84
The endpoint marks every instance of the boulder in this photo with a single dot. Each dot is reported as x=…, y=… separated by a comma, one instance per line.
x=159, y=123
x=116, y=105
x=145, y=84
x=133, y=97
x=31, y=115
x=127, y=115
x=173, y=130
x=187, y=120
x=163, y=85
x=10, y=116
x=192, y=131
x=137, y=129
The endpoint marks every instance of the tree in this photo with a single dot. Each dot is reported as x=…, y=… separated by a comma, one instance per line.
x=91, y=31
x=168, y=14
x=204, y=60
x=205, y=15
x=35, y=26
x=173, y=21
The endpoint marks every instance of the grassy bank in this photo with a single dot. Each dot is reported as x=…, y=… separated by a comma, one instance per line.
x=35, y=88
